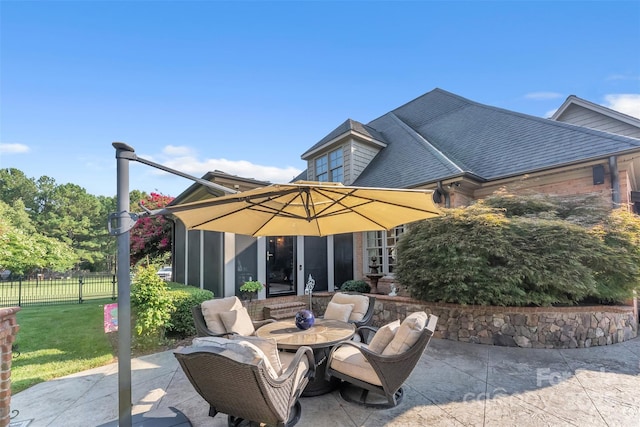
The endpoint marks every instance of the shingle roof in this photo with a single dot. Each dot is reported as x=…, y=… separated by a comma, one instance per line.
x=348, y=126
x=441, y=135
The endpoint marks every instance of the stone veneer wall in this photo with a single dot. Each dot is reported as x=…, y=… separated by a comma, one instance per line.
x=534, y=327
x=8, y=330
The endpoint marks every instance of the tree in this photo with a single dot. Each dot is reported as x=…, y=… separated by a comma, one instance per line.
x=151, y=236
x=23, y=249
x=14, y=185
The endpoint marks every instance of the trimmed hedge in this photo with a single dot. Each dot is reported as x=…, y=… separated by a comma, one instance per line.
x=523, y=250
x=184, y=297
x=356, y=286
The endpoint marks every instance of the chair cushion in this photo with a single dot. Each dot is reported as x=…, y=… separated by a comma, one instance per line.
x=360, y=304
x=238, y=321
x=350, y=361
x=337, y=311
x=212, y=308
x=383, y=337
x=241, y=351
x=269, y=347
x=407, y=334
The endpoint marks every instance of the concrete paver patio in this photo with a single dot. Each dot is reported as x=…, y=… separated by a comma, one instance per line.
x=454, y=384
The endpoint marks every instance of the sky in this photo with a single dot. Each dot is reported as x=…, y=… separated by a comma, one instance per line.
x=247, y=87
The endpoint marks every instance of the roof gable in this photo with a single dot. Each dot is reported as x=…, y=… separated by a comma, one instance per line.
x=349, y=127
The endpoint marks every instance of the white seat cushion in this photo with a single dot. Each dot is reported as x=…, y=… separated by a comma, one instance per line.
x=269, y=347
x=350, y=361
x=360, y=304
x=212, y=308
x=239, y=350
x=337, y=311
x=237, y=321
x=407, y=334
x=383, y=337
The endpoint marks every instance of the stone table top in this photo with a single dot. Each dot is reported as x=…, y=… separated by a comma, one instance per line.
x=324, y=333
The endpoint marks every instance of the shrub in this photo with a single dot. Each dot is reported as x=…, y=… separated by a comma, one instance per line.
x=513, y=250
x=183, y=298
x=152, y=304
x=356, y=286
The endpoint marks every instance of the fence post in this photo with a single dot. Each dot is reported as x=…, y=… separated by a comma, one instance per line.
x=80, y=290
x=113, y=288
x=20, y=292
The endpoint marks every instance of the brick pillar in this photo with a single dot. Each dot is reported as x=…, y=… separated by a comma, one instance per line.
x=8, y=331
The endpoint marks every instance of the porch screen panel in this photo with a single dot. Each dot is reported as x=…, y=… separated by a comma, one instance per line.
x=180, y=252
x=213, y=255
x=315, y=262
x=193, y=261
x=246, y=260
x=342, y=258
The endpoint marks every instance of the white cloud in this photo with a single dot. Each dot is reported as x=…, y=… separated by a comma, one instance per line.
x=622, y=77
x=188, y=162
x=627, y=103
x=13, y=148
x=541, y=96
x=550, y=113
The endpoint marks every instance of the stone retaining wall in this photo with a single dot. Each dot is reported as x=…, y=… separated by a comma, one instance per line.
x=534, y=327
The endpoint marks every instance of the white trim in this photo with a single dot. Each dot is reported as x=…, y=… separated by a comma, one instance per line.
x=337, y=139
x=331, y=274
x=300, y=265
x=201, y=278
x=229, y=256
x=186, y=255
x=262, y=265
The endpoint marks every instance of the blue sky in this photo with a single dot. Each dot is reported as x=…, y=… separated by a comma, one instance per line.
x=246, y=87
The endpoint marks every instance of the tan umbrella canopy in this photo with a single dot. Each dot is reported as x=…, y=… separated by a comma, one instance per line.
x=307, y=208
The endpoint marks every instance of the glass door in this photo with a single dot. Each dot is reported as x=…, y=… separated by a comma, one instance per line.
x=281, y=273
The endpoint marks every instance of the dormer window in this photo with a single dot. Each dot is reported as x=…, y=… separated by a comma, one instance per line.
x=329, y=167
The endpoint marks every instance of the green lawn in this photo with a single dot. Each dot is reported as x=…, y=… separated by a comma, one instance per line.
x=59, y=340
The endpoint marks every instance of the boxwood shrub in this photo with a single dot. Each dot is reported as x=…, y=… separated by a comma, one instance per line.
x=184, y=297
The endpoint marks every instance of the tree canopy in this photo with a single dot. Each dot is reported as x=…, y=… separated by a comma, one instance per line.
x=60, y=226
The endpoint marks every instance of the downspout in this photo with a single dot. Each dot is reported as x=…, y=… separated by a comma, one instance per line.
x=445, y=193
x=615, y=181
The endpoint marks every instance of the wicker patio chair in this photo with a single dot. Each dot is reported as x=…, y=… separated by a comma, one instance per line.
x=370, y=378
x=222, y=305
x=244, y=388
x=362, y=313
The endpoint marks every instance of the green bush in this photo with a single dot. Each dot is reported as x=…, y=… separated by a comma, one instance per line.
x=183, y=298
x=152, y=305
x=356, y=286
x=522, y=250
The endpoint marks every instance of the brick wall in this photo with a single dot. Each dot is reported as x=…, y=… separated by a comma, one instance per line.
x=8, y=331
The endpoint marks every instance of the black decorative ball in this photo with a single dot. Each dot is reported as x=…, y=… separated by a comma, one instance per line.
x=305, y=319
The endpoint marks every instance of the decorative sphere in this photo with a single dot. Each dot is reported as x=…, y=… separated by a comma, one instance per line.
x=305, y=319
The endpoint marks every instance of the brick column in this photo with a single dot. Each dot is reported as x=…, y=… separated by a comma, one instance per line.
x=8, y=331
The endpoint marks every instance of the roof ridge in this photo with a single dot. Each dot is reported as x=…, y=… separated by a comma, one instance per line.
x=419, y=138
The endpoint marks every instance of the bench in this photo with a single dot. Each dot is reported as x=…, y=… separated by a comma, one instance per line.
x=283, y=310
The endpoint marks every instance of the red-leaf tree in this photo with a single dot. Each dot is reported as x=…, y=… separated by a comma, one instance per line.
x=151, y=236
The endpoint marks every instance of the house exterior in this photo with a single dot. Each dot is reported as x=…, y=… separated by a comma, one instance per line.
x=462, y=149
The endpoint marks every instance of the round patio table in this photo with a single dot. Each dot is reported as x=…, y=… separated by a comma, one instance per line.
x=321, y=337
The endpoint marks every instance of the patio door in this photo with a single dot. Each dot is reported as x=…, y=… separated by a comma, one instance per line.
x=281, y=272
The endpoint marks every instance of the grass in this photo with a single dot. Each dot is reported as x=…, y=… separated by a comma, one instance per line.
x=59, y=340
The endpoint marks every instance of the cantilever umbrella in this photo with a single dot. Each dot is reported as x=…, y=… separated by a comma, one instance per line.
x=307, y=208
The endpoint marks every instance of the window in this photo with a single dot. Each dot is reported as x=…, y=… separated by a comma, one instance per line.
x=329, y=167
x=380, y=246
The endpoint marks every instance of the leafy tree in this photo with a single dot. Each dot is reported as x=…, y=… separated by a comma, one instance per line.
x=14, y=185
x=23, y=249
x=151, y=236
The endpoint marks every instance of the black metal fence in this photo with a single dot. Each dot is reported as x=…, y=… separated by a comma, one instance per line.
x=58, y=290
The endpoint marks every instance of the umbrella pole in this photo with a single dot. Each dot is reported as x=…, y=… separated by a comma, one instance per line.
x=124, y=295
